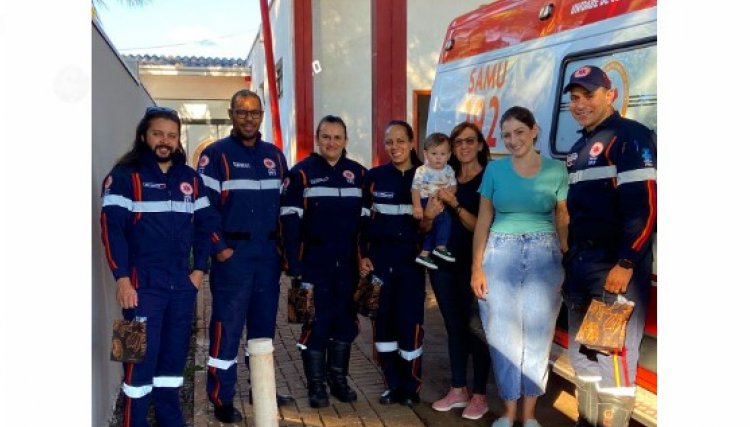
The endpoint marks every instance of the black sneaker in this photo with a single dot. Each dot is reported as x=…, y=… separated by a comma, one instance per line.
x=426, y=261
x=444, y=254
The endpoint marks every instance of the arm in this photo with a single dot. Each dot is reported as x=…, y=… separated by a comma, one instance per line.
x=116, y=214
x=206, y=220
x=468, y=220
x=432, y=209
x=416, y=204
x=292, y=211
x=365, y=264
x=209, y=169
x=561, y=224
x=481, y=233
x=636, y=193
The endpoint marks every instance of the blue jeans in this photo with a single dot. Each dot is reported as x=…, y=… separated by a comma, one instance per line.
x=524, y=277
x=440, y=231
x=587, y=267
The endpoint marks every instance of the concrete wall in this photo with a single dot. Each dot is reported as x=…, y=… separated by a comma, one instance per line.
x=343, y=46
x=118, y=102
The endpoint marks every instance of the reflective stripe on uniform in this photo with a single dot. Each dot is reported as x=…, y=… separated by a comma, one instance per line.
x=201, y=203
x=134, y=392
x=251, y=184
x=168, y=381
x=386, y=346
x=221, y=364
x=291, y=210
x=591, y=174
x=163, y=206
x=211, y=183
x=410, y=355
x=636, y=175
x=332, y=192
x=387, y=209
x=365, y=212
x=117, y=200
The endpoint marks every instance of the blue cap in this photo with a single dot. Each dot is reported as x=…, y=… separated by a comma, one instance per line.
x=589, y=77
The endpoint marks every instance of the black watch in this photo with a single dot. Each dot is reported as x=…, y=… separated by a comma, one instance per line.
x=625, y=263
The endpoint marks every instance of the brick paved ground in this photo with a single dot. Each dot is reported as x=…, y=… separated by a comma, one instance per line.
x=557, y=408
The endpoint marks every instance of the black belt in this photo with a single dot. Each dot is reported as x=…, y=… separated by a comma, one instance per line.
x=245, y=235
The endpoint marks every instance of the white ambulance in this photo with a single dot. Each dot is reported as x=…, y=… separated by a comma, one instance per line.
x=522, y=52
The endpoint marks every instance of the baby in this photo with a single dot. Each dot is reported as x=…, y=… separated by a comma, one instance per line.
x=428, y=179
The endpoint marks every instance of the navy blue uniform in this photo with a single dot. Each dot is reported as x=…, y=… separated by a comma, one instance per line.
x=150, y=223
x=244, y=183
x=391, y=240
x=612, y=205
x=321, y=214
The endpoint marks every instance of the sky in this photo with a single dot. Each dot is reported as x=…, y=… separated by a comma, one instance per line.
x=216, y=28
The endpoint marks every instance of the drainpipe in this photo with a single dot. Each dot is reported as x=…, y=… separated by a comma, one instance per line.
x=271, y=72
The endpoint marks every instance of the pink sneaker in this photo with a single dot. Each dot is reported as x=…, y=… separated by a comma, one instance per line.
x=477, y=407
x=456, y=398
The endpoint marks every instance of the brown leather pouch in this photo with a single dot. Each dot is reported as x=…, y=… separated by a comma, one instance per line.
x=128, y=341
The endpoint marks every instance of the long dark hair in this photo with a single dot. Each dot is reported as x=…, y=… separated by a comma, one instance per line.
x=483, y=156
x=330, y=118
x=141, y=148
x=413, y=156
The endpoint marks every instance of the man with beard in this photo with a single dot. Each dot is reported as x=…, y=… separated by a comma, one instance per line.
x=243, y=174
x=154, y=212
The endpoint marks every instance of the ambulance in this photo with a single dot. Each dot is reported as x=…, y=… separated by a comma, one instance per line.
x=522, y=52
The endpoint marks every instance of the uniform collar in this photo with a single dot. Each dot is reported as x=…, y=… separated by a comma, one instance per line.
x=605, y=123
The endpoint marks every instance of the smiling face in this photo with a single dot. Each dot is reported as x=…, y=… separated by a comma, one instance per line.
x=589, y=108
x=437, y=156
x=246, y=128
x=163, y=138
x=518, y=137
x=331, y=141
x=466, y=146
x=398, y=145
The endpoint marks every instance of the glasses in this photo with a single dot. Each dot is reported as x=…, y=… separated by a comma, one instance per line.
x=468, y=141
x=160, y=110
x=242, y=114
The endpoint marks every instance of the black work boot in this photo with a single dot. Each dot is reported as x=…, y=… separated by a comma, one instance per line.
x=338, y=369
x=614, y=411
x=587, y=402
x=314, y=363
x=227, y=413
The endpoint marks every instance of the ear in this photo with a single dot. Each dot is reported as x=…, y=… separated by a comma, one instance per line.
x=229, y=113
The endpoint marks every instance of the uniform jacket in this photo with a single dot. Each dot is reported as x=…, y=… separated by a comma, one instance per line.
x=321, y=209
x=612, y=194
x=244, y=183
x=151, y=221
x=388, y=205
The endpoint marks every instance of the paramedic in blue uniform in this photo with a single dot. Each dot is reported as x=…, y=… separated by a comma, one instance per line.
x=243, y=174
x=154, y=212
x=389, y=244
x=321, y=215
x=612, y=206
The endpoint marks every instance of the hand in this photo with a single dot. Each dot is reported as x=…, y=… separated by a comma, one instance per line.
x=196, y=277
x=433, y=208
x=479, y=283
x=564, y=247
x=618, y=280
x=225, y=254
x=447, y=197
x=418, y=213
x=127, y=297
x=365, y=267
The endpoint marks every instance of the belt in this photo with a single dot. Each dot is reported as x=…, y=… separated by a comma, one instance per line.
x=245, y=235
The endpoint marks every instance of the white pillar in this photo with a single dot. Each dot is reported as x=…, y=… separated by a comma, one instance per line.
x=263, y=381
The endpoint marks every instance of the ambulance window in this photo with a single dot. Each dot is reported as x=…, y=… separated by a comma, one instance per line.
x=633, y=73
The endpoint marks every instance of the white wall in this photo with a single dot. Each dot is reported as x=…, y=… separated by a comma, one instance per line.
x=342, y=45
x=118, y=102
x=424, y=41
x=282, y=19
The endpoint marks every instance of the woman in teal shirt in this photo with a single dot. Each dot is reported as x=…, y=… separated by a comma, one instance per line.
x=517, y=271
